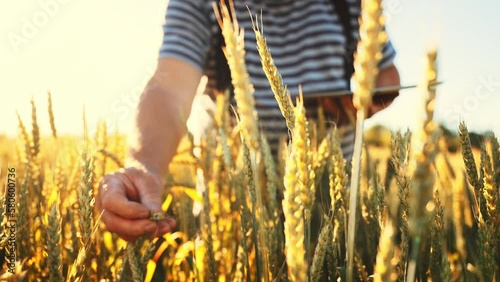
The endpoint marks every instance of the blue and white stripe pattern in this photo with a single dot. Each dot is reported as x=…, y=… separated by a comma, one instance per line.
x=305, y=38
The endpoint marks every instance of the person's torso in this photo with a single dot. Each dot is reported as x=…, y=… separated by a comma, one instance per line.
x=307, y=44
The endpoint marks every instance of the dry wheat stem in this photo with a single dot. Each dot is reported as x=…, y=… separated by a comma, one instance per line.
x=53, y=244
x=437, y=236
x=294, y=220
x=372, y=37
x=235, y=54
x=388, y=255
x=25, y=139
x=421, y=203
x=324, y=239
x=259, y=211
x=279, y=89
x=85, y=197
x=51, y=116
x=207, y=234
x=275, y=236
x=305, y=172
x=35, y=131
x=472, y=175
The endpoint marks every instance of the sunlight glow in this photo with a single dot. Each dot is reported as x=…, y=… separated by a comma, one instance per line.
x=101, y=54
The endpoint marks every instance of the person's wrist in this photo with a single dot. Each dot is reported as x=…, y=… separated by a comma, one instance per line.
x=132, y=163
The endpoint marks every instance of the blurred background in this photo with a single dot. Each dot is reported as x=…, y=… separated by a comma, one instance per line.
x=100, y=54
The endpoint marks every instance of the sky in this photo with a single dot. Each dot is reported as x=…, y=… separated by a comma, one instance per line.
x=99, y=55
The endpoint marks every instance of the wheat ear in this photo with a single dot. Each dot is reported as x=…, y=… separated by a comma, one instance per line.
x=294, y=220
x=35, y=131
x=53, y=245
x=51, y=116
x=235, y=54
x=324, y=239
x=388, y=255
x=421, y=203
x=278, y=87
x=472, y=174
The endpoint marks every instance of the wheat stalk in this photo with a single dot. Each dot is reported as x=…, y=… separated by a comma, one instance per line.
x=112, y=156
x=372, y=37
x=35, y=131
x=495, y=155
x=400, y=147
x=293, y=209
x=324, y=239
x=259, y=213
x=25, y=137
x=235, y=54
x=332, y=262
x=242, y=264
x=321, y=158
x=305, y=173
x=486, y=251
x=241, y=202
x=85, y=197
x=423, y=181
x=208, y=238
x=134, y=260
x=275, y=237
x=24, y=218
x=53, y=244
x=76, y=273
x=437, y=236
x=337, y=177
x=51, y=116
x=472, y=175
x=278, y=87
x=388, y=255
x=486, y=174
x=2, y=216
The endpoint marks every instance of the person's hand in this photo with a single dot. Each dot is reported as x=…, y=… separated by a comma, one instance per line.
x=344, y=111
x=126, y=198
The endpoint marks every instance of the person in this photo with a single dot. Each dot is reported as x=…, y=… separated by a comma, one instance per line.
x=308, y=45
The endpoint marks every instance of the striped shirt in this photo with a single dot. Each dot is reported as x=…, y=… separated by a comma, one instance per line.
x=305, y=38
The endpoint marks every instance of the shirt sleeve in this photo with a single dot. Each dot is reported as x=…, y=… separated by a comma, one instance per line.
x=388, y=51
x=186, y=32
x=388, y=55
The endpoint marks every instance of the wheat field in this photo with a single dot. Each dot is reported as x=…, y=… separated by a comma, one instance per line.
x=411, y=206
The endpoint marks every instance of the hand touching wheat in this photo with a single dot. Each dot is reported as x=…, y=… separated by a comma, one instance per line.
x=127, y=198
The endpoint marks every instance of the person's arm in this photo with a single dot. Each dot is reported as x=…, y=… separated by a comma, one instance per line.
x=129, y=195
x=389, y=76
x=162, y=112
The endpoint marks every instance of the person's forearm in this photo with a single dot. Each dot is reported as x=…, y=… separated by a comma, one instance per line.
x=159, y=128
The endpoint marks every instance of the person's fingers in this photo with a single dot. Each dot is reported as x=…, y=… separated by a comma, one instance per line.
x=127, y=183
x=128, y=229
x=171, y=222
x=116, y=202
x=164, y=227
x=127, y=198
x=115, y=199
x=148, y=187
